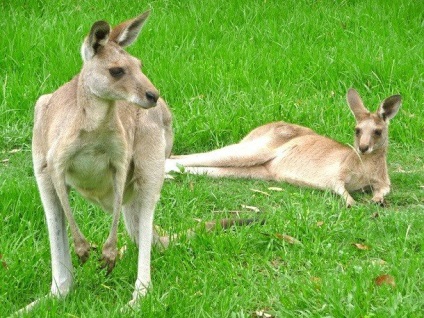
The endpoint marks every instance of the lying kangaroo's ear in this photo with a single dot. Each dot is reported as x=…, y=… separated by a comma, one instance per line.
x=98, y=37
x=389, y=107
x=355, y=103
x=127, y=32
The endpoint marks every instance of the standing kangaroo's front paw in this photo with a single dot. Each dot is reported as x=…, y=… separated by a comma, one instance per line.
x=82, y=249
x=108, y=260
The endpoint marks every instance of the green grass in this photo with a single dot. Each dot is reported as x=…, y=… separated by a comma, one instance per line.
x=226, y=67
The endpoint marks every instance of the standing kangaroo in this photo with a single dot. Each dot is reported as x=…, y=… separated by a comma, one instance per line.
x=295, y=154
x=106, y=133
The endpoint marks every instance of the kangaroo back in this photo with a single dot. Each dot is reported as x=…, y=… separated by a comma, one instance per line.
x=256, y=148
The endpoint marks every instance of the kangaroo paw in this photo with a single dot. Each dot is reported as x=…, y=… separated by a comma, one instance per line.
x=108, y=259
x=82, y=249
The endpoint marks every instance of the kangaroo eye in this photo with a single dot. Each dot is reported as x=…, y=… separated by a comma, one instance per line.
x=357, y=131
x=117, y=72
x=377, y=132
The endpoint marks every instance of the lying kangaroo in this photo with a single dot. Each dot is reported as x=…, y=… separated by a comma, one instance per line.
x=295, y=154
x=106, y=134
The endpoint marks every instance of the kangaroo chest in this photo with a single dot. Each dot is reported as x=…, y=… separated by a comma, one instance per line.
x=364, y=174
x=93, y=163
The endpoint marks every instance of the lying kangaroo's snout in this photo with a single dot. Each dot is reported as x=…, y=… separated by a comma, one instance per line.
x=363, y=149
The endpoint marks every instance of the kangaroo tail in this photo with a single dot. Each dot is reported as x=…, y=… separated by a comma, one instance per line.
x=163, y=241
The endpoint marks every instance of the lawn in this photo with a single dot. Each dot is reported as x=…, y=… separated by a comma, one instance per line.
x=225, y=67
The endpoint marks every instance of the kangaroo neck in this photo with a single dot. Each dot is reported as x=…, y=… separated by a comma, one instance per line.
x=95, y=112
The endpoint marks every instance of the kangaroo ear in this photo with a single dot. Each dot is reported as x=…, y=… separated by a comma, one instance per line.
x=389, y=107
x=98, y=37
x=127, y=32
x=355, y=103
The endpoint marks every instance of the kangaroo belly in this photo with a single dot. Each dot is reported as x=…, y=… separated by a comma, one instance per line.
x=308, y=174
x=309, y=161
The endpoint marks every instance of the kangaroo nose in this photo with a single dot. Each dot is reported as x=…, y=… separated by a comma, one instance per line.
x=364, y=149
x=152, y=96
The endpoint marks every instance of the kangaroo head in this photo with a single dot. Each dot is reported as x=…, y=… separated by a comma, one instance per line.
x=109, y=72
x=371, y=131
